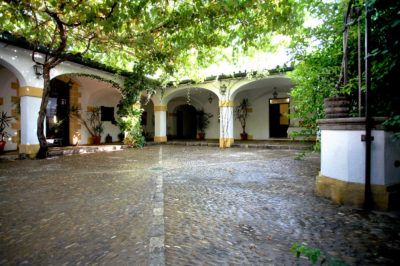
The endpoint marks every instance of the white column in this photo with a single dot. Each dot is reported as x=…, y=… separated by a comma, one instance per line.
x=160, y=123
x=30, y=100
x=226, y=124
x=30, y=107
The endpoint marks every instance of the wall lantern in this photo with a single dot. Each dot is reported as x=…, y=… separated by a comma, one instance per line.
x=210, y=98
x=223, y=88
x=275, y=94
x=38, y=70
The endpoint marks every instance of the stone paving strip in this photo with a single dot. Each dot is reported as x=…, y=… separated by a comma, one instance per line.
x=157, y=246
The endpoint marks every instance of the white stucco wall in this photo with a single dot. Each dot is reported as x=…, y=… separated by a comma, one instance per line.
x=19, y=61
x=6, y=93
x=30, y=107
x=97, y=93
x=343, y=157
x=392, y=153
x=212, y=132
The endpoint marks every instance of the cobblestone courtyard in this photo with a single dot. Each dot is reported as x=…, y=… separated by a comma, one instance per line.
x=220, y=207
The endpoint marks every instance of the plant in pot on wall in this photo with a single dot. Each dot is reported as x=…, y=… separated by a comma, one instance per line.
x=241, y=114
x=92, y=122
x=203, y=121
x=5, y=121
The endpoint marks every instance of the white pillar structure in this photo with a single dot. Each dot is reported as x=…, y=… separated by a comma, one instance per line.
x=226, y=123
x=30, y=100
x=160, y=123
x=342, y=176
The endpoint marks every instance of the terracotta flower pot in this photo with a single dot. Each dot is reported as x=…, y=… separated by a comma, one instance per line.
x=201, y=135
x=243, y=136
x=96, y=140
x=2, y=145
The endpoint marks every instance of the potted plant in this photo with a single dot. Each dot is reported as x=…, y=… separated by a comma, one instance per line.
x=203, y=121
x=121, y=136
x=5, y=121
x=241, y=114
x=108, y=138
x=93, y=122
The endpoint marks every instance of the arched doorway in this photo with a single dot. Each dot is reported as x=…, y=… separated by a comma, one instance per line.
x=186, y=123
x=73, y=99
x=57, y=113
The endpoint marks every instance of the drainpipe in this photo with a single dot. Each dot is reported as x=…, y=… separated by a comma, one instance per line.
x=367, y=137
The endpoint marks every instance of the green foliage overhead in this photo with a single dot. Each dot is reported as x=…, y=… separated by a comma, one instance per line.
x=167, y=35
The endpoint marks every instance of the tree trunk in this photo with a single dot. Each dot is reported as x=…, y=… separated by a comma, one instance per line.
x=43, y=150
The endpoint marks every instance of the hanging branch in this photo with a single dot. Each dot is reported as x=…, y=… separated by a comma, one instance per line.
x=343, y=76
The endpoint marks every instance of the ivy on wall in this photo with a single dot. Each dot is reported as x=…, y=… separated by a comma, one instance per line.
x=129, y=109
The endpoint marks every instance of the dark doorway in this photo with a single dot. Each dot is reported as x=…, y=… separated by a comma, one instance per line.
x=278, y=117
x=186, y=126
x=57, y=119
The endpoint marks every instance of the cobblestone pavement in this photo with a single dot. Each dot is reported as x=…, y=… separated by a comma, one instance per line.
x=220, y=207
x=75, y=210
x=241, y=206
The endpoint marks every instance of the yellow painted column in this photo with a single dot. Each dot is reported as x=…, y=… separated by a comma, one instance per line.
x=74, y=124
x=160, y=123
x=15, y=112
x=30, y=100
x=226, y=123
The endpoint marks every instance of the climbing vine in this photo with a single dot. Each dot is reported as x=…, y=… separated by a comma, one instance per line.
x=129, y=109
x=111, y=82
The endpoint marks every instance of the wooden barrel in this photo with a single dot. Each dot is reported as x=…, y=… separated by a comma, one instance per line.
x=337, y=107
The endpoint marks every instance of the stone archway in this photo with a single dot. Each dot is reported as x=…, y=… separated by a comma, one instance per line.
x=199, y=99
x=269, y=107
x=86, y=92
x=9, y=103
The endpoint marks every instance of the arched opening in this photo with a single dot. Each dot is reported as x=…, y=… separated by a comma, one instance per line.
x=194, y=100
x=186, y=122
x=74, y=99
x=268, y=113
x=10, y=105
x=57, y=113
